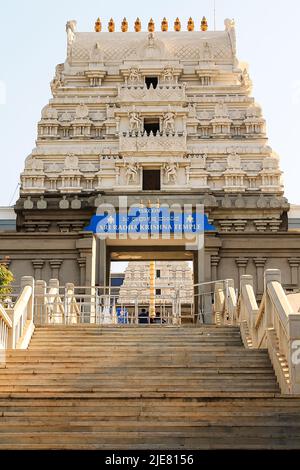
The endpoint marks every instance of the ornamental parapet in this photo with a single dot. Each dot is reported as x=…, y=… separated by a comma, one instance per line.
x=129, y=93
x=141, y=143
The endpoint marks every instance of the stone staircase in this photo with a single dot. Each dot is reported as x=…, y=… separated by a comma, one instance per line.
x=152, y=387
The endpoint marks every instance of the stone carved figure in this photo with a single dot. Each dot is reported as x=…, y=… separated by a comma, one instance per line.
x=261, y=202
x=221, y=110
x=135, y=122
x=132, y=170
x=245, y=78
x=71, y=29
x=135, y=76
x=76, y=203
x=192, y=110
x=151, y=40
x=110, y=111
x=28, y=203
x=169, y=122
x=229, y=23
x=171, y=172
x=234, y=161
x=58, y=80
x=82, y=111
x=64, y=203
x=65, y=117
x=71, y=162
x=167, y=74
x=207, y=53
x=41, y=203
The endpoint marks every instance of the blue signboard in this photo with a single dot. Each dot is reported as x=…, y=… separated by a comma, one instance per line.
x=149, y=220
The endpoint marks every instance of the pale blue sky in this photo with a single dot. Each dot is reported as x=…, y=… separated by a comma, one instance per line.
x=33, y=41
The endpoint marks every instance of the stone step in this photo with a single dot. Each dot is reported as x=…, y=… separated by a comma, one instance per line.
x=150, y=404
x=94, y=387
x=161, y=413
x=137, y=342
x=183, y=438
x=22, y=419
x=106, y=328
x=210, y=383
x=125, y=394
x=104, y=351
x=29, y=425
x=7, y=374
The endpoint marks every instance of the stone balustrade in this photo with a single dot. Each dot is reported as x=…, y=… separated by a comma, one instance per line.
x=273, y=325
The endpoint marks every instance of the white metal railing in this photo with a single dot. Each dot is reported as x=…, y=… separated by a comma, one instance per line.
x=16, y=317
x=68, y=304
x=101, y=305
x=273, y=325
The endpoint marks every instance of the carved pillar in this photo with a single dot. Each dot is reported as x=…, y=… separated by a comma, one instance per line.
x=260, y=265
x=241, y=264
x=214, y=261
x=38, y=266
x=82, y=265
x=294, y=266
x=55, y=265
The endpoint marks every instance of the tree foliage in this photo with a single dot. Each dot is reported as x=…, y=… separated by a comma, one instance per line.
x=6, y=278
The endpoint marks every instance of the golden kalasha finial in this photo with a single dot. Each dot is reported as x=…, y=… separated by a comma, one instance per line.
x=124, y=25
x=111, y=26
x=164, y=24
x=191, y=24
x=204, y=24
x=98, y=26
x=151, y=26
x=177, y=24
x=137, y=25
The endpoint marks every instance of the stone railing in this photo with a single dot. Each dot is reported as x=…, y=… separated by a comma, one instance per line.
x=53, y=306
x=273, y=325
x=16, y=323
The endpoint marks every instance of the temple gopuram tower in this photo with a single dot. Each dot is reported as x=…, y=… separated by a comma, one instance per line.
x=155, y=116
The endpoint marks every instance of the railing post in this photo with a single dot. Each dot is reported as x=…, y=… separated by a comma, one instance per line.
x=54, y=291
x=69, y=293
x=40, y=302
x=54, y=284
x=271, y=275
x=219, y=300
x=11, y=336
x=29, y=281
x=246, y=280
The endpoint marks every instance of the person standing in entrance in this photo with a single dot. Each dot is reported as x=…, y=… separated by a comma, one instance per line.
x=143, y=316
